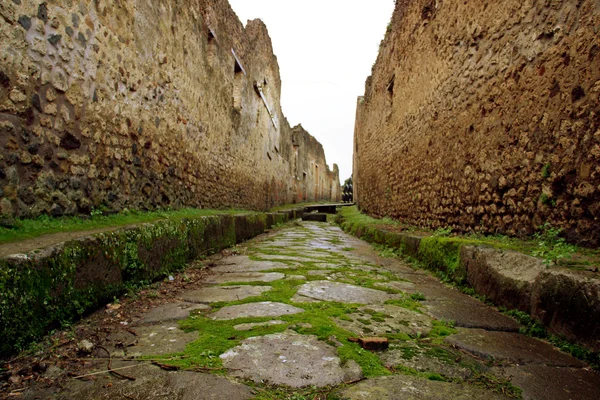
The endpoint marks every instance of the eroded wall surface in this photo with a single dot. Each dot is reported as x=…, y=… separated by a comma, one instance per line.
x=485, y=115
x=140, y=104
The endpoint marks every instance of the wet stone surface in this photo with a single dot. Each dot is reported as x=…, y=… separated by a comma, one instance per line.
x=151, y=383
x=245, y=277
x=224, y=293
x=170, y=312
x=245, y=264
x=448, y=363
x=286, y=359
x=381, y=320
x=512, y=347
x=335, y=291
x=274, y=322
x=251, y=325
x=550, y=382
x=258, y=310
x=470, y=313
x=160, y=339
x=413, y=388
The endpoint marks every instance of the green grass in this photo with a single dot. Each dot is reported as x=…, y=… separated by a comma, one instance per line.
x=216, y=337
x=413, y=372
x=31, y=228
x=353, y=221
x=406, y=302
x=545, y=243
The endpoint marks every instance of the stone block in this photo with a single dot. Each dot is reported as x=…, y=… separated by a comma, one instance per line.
x=505, y=277
x=568, y=303
x=316, y=217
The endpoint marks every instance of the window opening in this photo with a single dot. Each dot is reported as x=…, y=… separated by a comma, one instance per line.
x=259, y=89
x=390, y=89
x=238, y=82
x=212, y=47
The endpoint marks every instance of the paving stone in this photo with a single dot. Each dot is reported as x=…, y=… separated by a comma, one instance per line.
x=320, y=272
x=286, y=359
x=215, y=294
x=250, y=326
x=303, y=299
x=342, y=292
x=295, y=278
x=271, y=257
x=328, y=265
x=509, y=346
x=320, y=244
x=403, y=286
x=160, y=339
x=552, y=383
x=446, y=362
x=151, y=383
x=397, y=320
x=245, y=277
x=468, y=312
x=245, y=264
x=262, y=309
x=404, y=387
x=170, y=312
x=352, y=371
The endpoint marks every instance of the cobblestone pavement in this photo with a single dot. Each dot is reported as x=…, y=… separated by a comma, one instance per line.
x=275, y=322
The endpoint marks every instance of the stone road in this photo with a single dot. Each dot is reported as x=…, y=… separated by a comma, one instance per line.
x=275, y=321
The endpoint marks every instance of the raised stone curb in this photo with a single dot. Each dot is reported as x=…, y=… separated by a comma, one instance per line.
x=506, y=278
x=566, y=302
x=60, y=283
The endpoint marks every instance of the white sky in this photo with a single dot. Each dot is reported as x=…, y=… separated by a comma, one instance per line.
x=325, y=50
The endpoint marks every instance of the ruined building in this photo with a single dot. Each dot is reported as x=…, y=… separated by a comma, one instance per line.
x=485, y=116
x=166, y=103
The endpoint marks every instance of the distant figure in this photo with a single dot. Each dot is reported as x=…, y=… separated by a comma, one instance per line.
x=347, y=191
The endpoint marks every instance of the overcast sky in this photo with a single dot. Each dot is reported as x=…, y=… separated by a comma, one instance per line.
x=325, y=50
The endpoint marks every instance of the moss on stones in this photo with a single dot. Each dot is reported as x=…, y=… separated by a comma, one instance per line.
x=44, y=290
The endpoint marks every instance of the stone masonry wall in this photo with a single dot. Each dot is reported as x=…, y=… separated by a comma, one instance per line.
x=140, y=104
x=485, y=115
x=314, y=180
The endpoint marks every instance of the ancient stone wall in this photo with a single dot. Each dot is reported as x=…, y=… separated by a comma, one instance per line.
x=140, y=104
x=314, y=180
x=485, y=115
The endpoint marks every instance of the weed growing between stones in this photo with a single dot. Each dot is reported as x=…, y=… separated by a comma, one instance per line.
x=440, y=255
x=411, y=371
x=551, y=247
x=265, y=392
x=450, y=366
x=216, y=337
x=406, y=302
x=498, y=385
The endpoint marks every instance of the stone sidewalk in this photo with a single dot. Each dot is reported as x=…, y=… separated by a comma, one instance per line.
x=275, y=323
